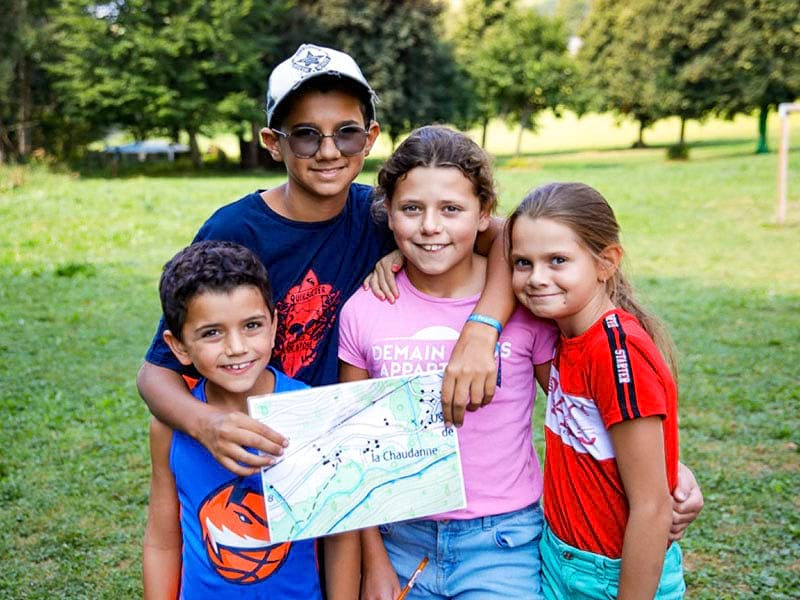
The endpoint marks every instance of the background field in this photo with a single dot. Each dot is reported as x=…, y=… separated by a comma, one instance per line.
x=79, y=261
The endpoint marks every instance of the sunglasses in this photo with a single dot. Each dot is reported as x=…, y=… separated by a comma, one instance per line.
x=305, y=141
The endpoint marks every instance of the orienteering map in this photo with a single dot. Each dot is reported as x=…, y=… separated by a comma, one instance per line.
x=360, y=454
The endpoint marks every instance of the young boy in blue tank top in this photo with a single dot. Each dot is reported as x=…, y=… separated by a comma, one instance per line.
x=207, y=535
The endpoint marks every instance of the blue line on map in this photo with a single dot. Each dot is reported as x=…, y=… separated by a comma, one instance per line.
x=297, y=531
x=450, y=456
x=282, y=501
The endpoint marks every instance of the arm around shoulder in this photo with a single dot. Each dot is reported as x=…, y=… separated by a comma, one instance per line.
x=687, y=502
x=471, y=375
x=225, y=434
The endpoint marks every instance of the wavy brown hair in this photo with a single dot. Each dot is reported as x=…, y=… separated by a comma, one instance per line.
x=436, y=146
x=584, y=210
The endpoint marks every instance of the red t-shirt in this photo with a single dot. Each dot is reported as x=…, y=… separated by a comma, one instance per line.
x=610, y=373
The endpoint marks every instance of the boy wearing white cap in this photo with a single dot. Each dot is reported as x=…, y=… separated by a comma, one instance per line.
x=315, y=235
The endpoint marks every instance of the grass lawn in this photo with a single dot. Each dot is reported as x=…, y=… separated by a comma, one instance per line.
x=79, y=262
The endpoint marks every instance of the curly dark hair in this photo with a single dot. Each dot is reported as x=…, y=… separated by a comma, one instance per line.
x=209, y=266
x=436, y=146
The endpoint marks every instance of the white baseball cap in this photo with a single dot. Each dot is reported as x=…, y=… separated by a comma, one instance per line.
x=309, y=62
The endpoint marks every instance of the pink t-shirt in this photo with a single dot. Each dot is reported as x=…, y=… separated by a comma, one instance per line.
x=417, y=334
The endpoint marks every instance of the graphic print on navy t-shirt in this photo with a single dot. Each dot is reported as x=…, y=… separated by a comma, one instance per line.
x=305, y=316
x=236, y=535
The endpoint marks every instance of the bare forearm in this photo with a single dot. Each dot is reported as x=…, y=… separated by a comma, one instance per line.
x=644, y=546
x=343, y=566
x=497, y=299
x=379, y=579
x=169, y=400
x=162, y=567
x=227, y=435
x=471, y=375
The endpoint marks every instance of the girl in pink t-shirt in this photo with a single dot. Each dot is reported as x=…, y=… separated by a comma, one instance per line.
x=438, y=193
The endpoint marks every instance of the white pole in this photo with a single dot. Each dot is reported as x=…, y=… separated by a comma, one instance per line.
x=783, y=158
x=783, y=163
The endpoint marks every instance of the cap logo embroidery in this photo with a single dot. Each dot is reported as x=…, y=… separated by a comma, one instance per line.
x=311, y=62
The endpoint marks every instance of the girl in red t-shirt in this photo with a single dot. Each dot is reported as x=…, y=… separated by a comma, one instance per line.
x=611, y=422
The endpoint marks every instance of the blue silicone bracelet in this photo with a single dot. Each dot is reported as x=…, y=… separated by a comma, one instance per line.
x=490, y=321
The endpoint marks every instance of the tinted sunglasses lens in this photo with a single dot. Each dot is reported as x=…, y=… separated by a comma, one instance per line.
x=350, y=140
x=305, y=141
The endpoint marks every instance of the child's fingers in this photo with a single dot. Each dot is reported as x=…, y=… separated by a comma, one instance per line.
x=461, y=399
x=447, y=400
x=380, y=281
x=487, y=385
x=391, y=281
x=243, y=424
x=228, y=459
x=371, y=283
x=386, y=283
x=234, y=432
x=676, y=532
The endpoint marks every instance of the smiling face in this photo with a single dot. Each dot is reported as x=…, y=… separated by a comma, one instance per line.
x=228, y=336
x=555, y=275
x=435, y=216
x=328, y=173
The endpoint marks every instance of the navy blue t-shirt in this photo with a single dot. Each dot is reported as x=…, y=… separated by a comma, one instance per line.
x=313, y=267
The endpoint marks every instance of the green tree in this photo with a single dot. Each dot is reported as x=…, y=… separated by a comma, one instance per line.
x=572, y=13
x=26, y=99
x=468, y=36
x=164, y=67
x=399, y=46
x=648, y=59
x=618, y=66
x=685, y=37
x=525, y=63
x=761, y=53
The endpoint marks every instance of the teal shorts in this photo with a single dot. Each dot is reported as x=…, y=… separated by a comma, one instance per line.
x=572, y=574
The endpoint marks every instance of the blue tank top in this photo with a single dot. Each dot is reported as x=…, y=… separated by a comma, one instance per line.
x=226, y=552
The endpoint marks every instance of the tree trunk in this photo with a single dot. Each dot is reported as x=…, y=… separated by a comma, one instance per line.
x=248, y=150
x=485, y=127
x=6, y=145
x=194, y=149
x=763, y=113
x=639, y=143
x=25, y=111
x=683, y=131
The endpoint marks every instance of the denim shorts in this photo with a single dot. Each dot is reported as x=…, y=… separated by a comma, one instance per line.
x=474, y=559
x=569, y=573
